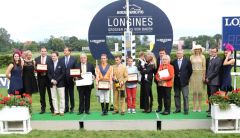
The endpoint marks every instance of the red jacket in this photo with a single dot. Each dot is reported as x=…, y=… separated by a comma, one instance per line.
x=165, y=81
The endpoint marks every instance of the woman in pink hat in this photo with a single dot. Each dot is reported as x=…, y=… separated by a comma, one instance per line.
x=228, y=63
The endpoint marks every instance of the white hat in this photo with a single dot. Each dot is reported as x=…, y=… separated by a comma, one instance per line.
x=198, y=47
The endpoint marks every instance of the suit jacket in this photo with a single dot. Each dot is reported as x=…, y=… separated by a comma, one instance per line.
x=90, y=68
x=38, y=61
x=213, y=70
x=121, y=73
x=58, y=74
x=71, y=65
x=182, y=75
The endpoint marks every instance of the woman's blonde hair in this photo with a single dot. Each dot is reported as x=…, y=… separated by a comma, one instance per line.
x=153, y=59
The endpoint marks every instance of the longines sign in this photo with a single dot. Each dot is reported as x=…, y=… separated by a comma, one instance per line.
x=231, y=31
x=145, y=19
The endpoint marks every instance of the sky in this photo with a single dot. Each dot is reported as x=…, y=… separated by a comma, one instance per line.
x=37, y=20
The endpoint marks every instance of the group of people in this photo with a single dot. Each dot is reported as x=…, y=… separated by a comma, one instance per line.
x=182, y=74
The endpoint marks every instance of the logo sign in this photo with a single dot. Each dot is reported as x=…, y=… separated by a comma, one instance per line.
x=144, y=19
x=231, y=31
x=3, y=82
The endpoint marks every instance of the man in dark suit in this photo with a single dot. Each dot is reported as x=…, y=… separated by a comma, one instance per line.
x=162, y=52
x=214, y=66
x=85, y=91
x=43, y=81
x=183, y=72
x=70, y=63
x=56, y=74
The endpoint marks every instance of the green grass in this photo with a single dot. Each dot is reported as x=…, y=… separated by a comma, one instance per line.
x=125, y=134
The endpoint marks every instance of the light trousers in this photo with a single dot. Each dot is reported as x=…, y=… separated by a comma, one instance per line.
x=55, y=92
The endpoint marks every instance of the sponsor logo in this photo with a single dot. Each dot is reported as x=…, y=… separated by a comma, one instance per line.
x=165, y=40
x=133, y=9
x=232, y=22
x=97, y=41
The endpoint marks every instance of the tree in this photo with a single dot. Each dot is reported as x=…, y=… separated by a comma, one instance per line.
x=5, y=41
x=56, y=44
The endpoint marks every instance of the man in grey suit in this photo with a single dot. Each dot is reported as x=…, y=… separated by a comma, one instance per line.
x=212, y=77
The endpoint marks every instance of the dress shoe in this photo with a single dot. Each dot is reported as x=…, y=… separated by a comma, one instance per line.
x=61, y=114
x=148, y=111
x=66, y=111
x=54, y=114
x=87, y=112
x=158, y=110
x=208, y=111
x=186, y=113
x=42, y=112
x=122, y=113
x=209, y=115
x=71, y=111
x=177, y=111
x=115, y=112
x=165, y=113
x=79, y=113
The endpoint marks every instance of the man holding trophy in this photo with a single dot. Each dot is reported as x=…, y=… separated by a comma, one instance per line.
x=120, y=76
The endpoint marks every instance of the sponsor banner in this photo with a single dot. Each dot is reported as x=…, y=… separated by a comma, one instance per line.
x=145, y=19
x=4, y=82
x=231, y=31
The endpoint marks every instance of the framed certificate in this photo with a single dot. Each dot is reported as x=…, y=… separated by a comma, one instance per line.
x=75, y=72
x=163, y=73
x=41, y=67
x=132, y=77
x=103, y=85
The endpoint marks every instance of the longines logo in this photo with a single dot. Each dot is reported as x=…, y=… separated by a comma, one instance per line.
x=133, y=9
x=97, y=41
x=164, y=40
x=232, y=22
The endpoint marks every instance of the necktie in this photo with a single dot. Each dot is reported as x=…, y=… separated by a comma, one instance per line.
x=42, y=60
x=66, y=61
x=83, y=68
x=179, y=63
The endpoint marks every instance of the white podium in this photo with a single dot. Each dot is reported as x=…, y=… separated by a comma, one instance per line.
x=15, y=120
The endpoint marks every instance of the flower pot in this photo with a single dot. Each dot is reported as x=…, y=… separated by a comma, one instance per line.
x=232, y=113
x=15, y=119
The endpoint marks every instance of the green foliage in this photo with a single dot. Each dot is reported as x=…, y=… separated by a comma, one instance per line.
x=5, y=41
x=220, y=99
x=5, y=60
x=234, y=97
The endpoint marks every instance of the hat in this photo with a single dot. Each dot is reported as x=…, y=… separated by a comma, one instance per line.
x=228, y=47
x=198, y=47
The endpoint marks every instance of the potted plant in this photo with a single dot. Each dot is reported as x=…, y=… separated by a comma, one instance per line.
x=16, y=100
x=225, y=106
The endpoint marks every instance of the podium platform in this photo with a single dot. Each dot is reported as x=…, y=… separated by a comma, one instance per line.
x=138, y=121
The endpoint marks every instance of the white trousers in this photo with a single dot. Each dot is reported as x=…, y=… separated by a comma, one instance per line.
x=55, y=92
x=104, y=96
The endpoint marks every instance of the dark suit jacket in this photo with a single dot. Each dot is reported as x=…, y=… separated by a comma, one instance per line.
x=149, y=70
x=183, y=75
x=90, y=68
x=213, y=70
x=58, y=74
x=38, y=60
x=71, y=65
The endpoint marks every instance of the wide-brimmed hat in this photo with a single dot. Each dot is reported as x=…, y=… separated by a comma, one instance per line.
x=198, y=47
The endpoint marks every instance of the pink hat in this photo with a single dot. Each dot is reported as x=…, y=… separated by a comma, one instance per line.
x=228, y=47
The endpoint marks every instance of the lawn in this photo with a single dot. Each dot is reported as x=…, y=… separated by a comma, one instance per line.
x=125, y=134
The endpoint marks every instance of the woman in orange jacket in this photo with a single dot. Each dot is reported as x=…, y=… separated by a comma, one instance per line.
x=164, y=77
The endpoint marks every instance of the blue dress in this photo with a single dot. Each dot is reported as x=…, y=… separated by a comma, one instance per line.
x=16, y=82
x=226, y=79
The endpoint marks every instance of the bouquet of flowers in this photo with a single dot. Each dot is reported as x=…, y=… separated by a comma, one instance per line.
x=16, y=100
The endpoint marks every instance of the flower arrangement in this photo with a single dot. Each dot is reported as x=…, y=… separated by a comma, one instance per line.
x=16, y=100
x=224, y=100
